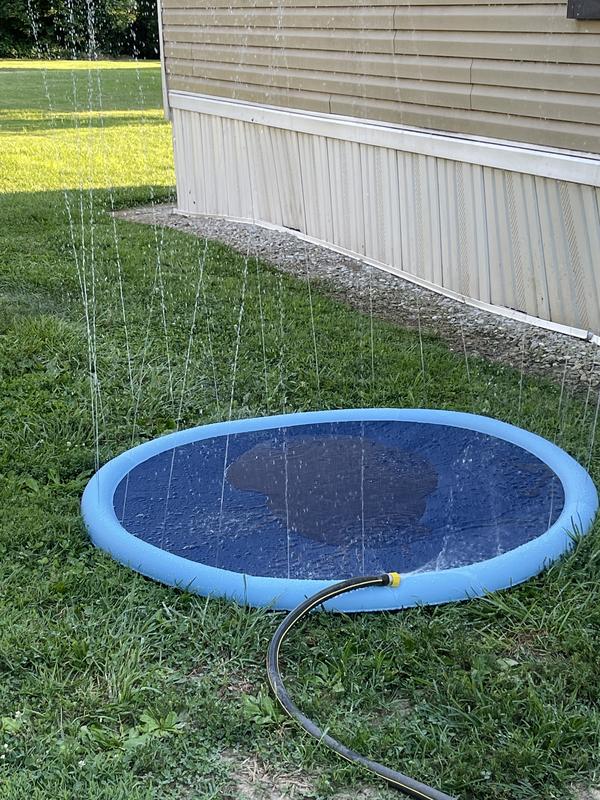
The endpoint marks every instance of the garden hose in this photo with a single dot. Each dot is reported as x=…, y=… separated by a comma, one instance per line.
x=409, y=786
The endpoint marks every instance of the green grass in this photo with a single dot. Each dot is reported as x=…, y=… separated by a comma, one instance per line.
x=114, y=687
x=80, y=125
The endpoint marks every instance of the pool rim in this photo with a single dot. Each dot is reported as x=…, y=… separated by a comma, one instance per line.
x=420, y=588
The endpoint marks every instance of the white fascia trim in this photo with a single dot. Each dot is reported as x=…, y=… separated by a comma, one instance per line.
x=163, y=69
x=515, y=157
x=502, y=311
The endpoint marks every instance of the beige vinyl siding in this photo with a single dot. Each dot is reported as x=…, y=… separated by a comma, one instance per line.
x=516, y=229
x=507, y=70
x=520, y=70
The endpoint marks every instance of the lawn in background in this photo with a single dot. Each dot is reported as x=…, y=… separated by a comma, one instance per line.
x=79, y=124
x=112, y=686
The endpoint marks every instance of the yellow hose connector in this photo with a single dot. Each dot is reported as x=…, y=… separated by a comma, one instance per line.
x=395, y=579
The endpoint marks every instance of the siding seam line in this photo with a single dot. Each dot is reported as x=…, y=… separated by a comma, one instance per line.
x=471, y=85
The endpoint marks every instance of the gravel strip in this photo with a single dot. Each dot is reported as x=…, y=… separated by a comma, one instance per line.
x=553, y=355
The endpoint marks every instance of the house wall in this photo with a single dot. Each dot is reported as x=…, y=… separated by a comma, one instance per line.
x=513, y=70
x=498, y=237
x=455, y=144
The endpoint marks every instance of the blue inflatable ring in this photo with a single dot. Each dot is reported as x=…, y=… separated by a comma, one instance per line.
x=124, y=536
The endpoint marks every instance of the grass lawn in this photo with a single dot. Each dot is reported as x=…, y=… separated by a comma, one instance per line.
x=114, y=687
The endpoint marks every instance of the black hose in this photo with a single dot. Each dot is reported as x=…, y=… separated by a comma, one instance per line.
x=410, y=787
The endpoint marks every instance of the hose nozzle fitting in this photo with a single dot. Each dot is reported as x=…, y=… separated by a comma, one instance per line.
x=394, y=579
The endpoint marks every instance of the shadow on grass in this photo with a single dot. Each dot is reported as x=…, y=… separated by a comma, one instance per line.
x=35, y=123
x=70, y=89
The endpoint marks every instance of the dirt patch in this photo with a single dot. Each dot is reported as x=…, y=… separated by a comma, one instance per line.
x=587, y=794
x=251, y=779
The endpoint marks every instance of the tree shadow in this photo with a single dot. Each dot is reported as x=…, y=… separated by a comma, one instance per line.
x=79, y=89
x=33, y=122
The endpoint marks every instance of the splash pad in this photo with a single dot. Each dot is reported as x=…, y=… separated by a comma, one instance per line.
x=269, y=511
